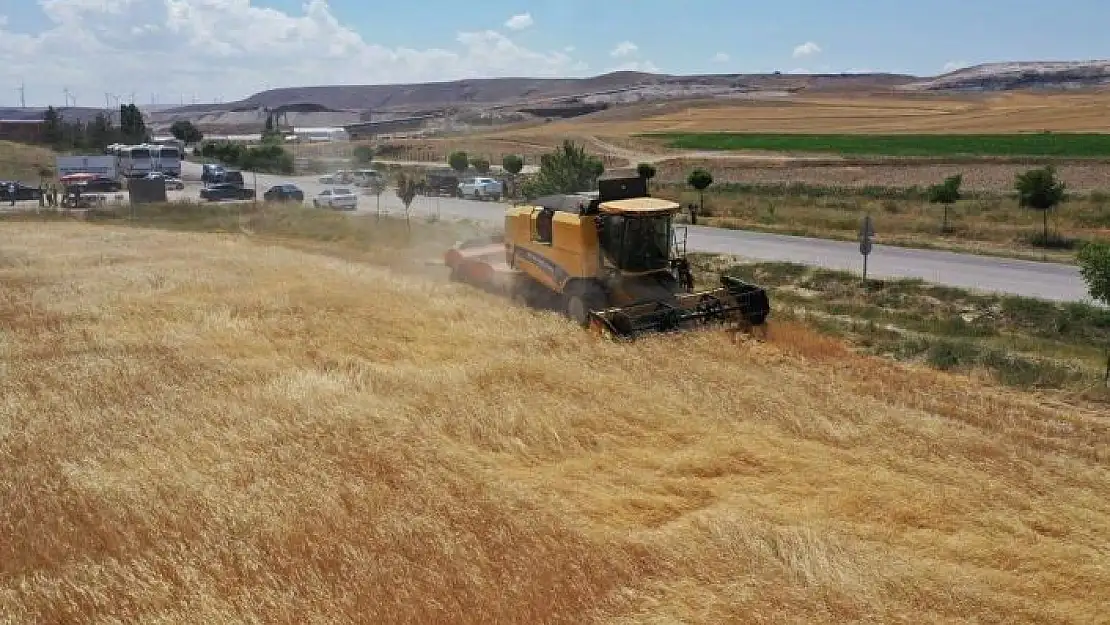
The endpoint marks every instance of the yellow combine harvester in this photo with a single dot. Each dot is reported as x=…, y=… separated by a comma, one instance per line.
x=610, y=260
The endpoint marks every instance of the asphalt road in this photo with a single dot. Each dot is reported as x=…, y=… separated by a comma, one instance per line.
x=1050, y=281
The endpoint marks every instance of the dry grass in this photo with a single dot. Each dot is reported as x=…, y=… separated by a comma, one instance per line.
x=23, y=162
x=209, y=428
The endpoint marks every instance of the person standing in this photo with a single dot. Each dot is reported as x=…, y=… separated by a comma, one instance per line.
x=11, y=193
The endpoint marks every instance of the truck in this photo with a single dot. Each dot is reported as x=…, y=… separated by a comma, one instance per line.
x=101, y=165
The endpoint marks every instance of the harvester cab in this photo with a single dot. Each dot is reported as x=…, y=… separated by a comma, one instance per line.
x=612, y=260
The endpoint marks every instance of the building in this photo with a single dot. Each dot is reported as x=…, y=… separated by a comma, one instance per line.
x=369, y=130
x=320, y=134
x=22, y=130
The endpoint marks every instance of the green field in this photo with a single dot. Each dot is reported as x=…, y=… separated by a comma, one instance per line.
x=1039, y=144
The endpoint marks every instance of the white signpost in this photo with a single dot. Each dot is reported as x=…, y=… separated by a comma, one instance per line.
x=866, y=231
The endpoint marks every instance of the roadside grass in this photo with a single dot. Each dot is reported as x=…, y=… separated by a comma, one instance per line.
x=25, y=163
x=1021, y=342
x=1031, y=144
x=990, y=224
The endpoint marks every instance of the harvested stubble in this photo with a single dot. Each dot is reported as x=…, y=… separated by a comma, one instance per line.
x=197, y=428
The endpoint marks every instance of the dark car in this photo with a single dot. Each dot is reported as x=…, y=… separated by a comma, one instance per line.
x=226, y=191
x=284, y=193
x=101, y=184
x=22, y=192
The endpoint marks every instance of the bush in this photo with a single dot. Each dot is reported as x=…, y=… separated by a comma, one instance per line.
x=270, y=158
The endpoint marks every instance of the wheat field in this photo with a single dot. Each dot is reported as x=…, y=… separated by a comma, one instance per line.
x=200, y=428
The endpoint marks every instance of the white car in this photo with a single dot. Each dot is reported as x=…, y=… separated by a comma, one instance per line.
x=481, y=189
x=340, y=198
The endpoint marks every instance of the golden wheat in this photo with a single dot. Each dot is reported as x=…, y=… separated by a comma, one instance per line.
x=199, y=428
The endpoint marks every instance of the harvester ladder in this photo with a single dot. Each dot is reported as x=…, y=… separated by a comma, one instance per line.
x=678, y=242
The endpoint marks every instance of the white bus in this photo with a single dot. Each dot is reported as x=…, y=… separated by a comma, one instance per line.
x=136, y=161
x=168, y=159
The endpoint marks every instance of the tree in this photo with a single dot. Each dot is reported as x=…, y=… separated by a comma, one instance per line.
x=1094, y=266
x=946, y=194
x=363, y=154
x=569, y=169
x=513, y=165
x=406, y=191
x=481, y=165
x=52, y=129
x=184, y=131
x=131, y=125
x=700, y=179
x=377, y=187
x=646, y=171
x=459, y=161
x=1040, y=190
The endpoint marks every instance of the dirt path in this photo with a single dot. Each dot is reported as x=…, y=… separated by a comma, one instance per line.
x=638, y=156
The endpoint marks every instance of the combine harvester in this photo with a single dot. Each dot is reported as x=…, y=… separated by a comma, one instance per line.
x=610, y=260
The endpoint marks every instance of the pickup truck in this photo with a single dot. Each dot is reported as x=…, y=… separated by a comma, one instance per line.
x=481, y=189
x=226, y=191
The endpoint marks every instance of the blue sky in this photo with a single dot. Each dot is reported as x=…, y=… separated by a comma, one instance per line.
x=228, y=49
x=896, y=35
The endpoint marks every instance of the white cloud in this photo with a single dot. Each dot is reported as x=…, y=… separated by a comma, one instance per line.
x=720, y=57
x=952, y=66
x=806, y=49
x=624, y=48
x=520, y=22
x=232, y=48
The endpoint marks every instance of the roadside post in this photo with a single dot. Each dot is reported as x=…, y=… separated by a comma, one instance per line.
x=866, y=231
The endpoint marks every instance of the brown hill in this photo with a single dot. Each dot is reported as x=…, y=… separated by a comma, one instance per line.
x=508, y=91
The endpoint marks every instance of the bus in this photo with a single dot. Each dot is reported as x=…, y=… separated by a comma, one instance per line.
x=136, y=161
x=168, y=159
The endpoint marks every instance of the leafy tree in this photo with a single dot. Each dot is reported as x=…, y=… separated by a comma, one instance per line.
x=184, y=131
x=377, y=187
x=512, y=164
x=700, y=179
x=100, y=133
x=52, y=129
x=407, y=187
x=481, y=165
x=946, y=194
x=645, y=171
x=1094, y=266
x=131, y=125
x=1039, y=189
x=569, y=169
x=363, y=154
x=459, y=161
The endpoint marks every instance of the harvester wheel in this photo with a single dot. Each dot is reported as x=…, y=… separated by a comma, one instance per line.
x=579, y=304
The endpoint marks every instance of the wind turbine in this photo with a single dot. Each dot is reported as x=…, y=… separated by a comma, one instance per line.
x=65, y=92
x=22, y=89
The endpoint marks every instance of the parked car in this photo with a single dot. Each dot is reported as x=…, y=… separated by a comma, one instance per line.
x=226, y=191
x=481, y=188
x=341, y=198
x=284, y=193
x=22, y=192
x=101, y=184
